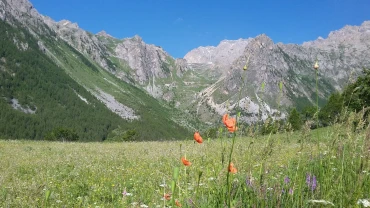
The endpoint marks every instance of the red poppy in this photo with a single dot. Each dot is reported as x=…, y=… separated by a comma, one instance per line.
x=232, y=169
x=230, y=123
x=167, y=196
x=178, y=203
x=185, y=161
x=198, y=138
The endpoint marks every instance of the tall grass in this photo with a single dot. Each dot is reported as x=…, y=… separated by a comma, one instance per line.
x=40, y=174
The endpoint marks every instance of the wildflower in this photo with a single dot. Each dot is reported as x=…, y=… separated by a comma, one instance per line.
x=167, y=196
x=232, y=169
x=125, y=193
x=144, y=206
x=230, y=123
x=311, y=181
x=291, y=191
x=286, y=180
x=178, y=203
x=198, y=138
x=321, y=201
x=185, y=161
x=316, y=66
x=314, y=183
x=364, y=202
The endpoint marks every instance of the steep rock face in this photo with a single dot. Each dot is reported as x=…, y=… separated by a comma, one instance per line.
x=83, y=41
x=224, y=54
x=181, y=66
x=148, y=61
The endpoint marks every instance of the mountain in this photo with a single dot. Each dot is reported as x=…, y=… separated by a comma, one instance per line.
x=55, y=74
x=341, y=57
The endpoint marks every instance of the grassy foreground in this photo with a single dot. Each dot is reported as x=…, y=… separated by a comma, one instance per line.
x=284, y=170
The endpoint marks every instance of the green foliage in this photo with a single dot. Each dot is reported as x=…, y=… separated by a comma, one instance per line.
x=123, y=136
x=211, y=133
x=332, y=110
x=270, y=126
x=308, y=112
x=62, y=134
x=357, y=95
x=294, y=119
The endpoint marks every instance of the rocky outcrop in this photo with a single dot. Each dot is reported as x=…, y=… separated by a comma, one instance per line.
x=85, y=42
x=147, y=61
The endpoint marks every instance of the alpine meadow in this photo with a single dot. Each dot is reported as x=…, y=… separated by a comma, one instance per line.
x=90, y=120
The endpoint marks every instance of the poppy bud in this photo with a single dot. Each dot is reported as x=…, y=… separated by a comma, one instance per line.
x=316, y=66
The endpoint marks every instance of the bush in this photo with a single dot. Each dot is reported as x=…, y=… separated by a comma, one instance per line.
x=62, y=134
x=294, y=119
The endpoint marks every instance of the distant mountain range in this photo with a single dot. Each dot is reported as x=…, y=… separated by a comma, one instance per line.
x=145, y=89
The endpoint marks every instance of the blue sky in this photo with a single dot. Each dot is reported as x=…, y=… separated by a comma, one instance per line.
x=179, y=26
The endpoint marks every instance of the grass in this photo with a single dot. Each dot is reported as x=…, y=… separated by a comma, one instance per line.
x=52, y=174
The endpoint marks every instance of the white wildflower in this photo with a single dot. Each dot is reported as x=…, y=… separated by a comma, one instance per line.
x=144, y=206
x=364, y=202
x=321, y=201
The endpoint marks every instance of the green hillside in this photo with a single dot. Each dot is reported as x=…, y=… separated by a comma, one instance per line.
x=51, y=85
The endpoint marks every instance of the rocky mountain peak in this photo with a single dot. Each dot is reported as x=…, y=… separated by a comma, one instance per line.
x=103, y=33
x=67, y=24
x=136, y=38
x=223, y=54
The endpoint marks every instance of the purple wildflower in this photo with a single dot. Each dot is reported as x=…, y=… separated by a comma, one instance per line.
x=286, y=180
x=291, y=191
x=311, y=181
x=308, y=179
x=314, y=183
